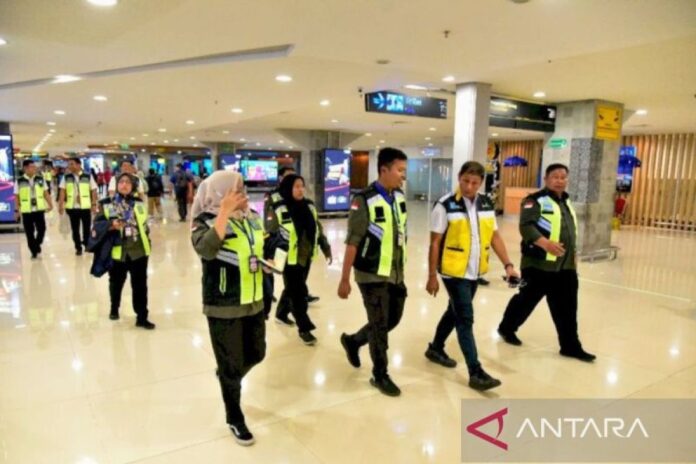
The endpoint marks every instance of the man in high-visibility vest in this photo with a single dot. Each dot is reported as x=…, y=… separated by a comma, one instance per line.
x=548, y=226
x=33, y=200
x=376, y=247
x=78, y=196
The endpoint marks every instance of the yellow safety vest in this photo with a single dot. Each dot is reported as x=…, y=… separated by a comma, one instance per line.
x=376, y=250
x=25, y=189
x=84, y=191
x=549, y=223
x=289, y=233
x=243, y=239
x=140, y=218
x=456, y=247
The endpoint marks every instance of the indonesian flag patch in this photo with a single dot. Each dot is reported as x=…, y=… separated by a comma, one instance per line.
x=528, y=204
x=355, y=206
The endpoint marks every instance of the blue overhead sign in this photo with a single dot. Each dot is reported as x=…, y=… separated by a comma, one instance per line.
x=398, y=103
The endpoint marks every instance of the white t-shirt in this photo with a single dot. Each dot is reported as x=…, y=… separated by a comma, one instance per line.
x=438, y=224
x=112, y=185
x=92, y=185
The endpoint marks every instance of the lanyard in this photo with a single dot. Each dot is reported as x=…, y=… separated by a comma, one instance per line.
x=249, y=234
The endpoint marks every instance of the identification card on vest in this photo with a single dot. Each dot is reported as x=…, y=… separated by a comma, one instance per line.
x=401, y=239
x=253, y=264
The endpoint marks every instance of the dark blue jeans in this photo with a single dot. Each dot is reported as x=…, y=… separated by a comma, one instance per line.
x=460, y=316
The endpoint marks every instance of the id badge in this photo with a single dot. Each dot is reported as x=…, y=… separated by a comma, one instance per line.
x=401, y=239
x=128, y=231
x=253, y=264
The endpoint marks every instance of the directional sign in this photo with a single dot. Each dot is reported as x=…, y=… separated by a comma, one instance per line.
x=398, y=103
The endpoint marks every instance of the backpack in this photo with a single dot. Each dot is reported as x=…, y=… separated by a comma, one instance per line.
x=181, y=181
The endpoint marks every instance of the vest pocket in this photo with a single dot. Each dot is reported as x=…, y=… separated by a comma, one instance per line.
x=223, y=280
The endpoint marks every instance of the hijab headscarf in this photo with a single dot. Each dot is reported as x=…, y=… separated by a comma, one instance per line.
x=213, y=189
x=301, y=215
x=134, y=188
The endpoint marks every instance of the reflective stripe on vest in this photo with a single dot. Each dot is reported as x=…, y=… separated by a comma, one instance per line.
x=456, y=248
x=550, y=221
x=380, y=228
x=237, y=251
x=25, y=189
x=288, y=232
x=84, y=189
x=140, y=219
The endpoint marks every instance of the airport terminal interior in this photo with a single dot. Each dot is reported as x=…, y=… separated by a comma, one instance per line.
x=605, y=87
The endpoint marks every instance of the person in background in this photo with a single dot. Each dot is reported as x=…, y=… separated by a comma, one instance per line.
x=47, y=174
x=228, y=237
x=127, y=216
x=78, y=195
x=32, y=202
x=183, y=189
x=155, y=190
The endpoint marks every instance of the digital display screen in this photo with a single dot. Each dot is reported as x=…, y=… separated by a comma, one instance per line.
x=7, y=199
x=336, y=180
x=259, y=170
x=398, y=103
x=521, y=115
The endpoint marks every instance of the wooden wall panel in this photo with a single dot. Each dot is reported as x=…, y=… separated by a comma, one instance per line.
x=519, y=176
x=359, y=170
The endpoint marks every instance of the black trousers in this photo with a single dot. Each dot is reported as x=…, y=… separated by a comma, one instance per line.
x=181, y=203
x=35, y=230
x=384, y=303
x=239, y=344
x=138, y=279
x=561, y=292
x=268, y=289
x=294, y=297
x=80, y=219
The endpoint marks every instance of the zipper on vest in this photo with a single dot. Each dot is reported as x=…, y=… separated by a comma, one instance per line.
x=223, y=280
x=365, y=247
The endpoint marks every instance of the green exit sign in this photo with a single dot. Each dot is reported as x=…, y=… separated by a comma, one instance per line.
x=125, y=146
x=558, y=143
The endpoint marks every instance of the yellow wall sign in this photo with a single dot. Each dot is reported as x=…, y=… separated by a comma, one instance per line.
x=608, y=122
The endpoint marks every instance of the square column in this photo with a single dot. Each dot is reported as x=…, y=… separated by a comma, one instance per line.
x=472, y=110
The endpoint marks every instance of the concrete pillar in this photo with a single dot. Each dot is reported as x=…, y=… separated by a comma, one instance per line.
x=472, y=109
x=592, y=133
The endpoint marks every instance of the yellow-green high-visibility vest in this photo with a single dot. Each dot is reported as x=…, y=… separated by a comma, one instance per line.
x=289, y=233
x=84, y=191
x=549, y=223
x=25, y=194
x=141, y=220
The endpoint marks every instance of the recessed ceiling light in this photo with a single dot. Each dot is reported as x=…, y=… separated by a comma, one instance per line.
x=427, y=138
x=103, y=2
x=283, y=78
x=325, y=103
x=161, y=129
x=242, y=140
x=334, y=121
x=2, y=42
x=190, y=122
x=368, y=134
x=415, y=87
x=132, y=138
x=430, y=144
x=641, y=112
x=432, y=129
x=152, y=143
x=539, y=94
x=291, y=147
x=237, y=110
x=195, y=144
x=193, y=137
x=448, y=79
x=281, y=141
x=146, y=135
x=51, y=123
x=115, y=142
x=258, y=144
x=65, y=78
x=382, y=141
x=494, y=134
x=100, y=98
x=59, y=112
x=166, y=141
x=176, y=140
x=51, y=130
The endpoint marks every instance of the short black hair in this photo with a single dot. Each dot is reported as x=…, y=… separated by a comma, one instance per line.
x=284, y=169
x=151, y=171
x=179, y=165
x=387, y=156
x=75, y=159
x=126, y=160
x=473, y=167
x=27, y=162
x=554, y=166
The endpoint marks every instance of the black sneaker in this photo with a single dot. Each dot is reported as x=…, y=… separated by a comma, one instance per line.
x=385, y=385
x=481, y=381
x=114, y=316
x=242, y=434
x=78, y=252
x=439, y=357
x=510, y=338
x=34, y=255
x=145, y=324
x=482, y=281
x=352, y=352
x=308, y=339
x=312, y=299
x=580, y=354
x=285, y=321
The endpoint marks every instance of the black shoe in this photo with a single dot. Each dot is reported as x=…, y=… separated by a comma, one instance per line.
x=308, y=339
x=78, y=252
x=481, y=381
x=242, y=434
x=385, y=385
x=182, y=220
x=312, y=299
x=285, y=321
x=510, y=338
x=439, y=357
x=352, y=352
x=580, y=354
x=274, y=299
x=482, y=281
x=34, y=255
x=114, y=316
x=145, y=324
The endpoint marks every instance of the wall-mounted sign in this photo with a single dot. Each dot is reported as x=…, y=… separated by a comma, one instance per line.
x=516, y=114
x=558, y=143
x=431, y=152
x=7, y=198
x=336, y=180
x=627, y=150
x=608, y=122
x=398, y=103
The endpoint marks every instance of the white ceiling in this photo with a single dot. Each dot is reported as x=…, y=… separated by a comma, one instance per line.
x=639, y=52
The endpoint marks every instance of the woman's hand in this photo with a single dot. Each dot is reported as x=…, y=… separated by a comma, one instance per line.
x=233, y=201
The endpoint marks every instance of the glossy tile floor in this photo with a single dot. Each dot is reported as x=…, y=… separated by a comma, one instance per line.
x=78, y=388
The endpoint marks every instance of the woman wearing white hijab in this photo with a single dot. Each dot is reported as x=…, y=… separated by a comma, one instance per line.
x=228, y=237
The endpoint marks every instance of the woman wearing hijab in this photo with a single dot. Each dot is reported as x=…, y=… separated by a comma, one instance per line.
x=295, y=220
x=127, y=218
x=228, y=237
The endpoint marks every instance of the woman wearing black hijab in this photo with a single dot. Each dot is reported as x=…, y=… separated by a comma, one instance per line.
x=295, y=221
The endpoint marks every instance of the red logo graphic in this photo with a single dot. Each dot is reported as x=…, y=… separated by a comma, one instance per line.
x=474, y=428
